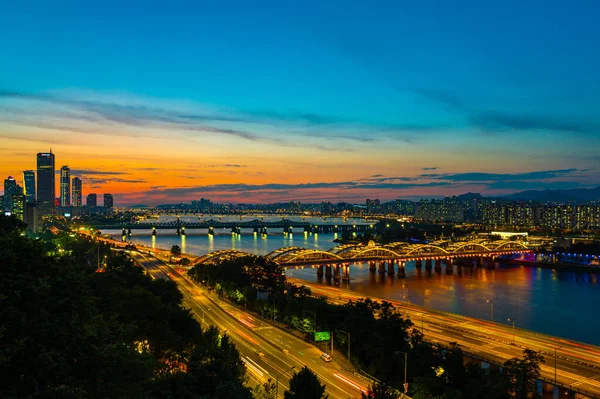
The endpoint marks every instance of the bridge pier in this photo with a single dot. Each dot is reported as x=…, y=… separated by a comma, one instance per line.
x=129, y=233
x=372, y=266
x=438, y=265
x=449, y=267
x=390, y=268
x=337, y=272
x=211, y=231
x=419, y=264
x=182, y=231
x=346, y=272
x=320, y=270
x=480, y=261
x=328, y=271
x=382, y=267
x=490, y=263
x=401, y=270
x=428, y=265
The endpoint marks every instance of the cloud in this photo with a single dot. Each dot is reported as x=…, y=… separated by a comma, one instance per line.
x=493, y=120
x=487, y=177
x=89, y=172
x=430, y=168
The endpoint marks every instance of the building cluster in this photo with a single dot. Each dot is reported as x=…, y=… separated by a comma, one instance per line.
x=549, y=216
x=449, y=209
x=36, y=197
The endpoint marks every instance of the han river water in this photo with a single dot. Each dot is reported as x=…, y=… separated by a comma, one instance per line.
x=560, y=303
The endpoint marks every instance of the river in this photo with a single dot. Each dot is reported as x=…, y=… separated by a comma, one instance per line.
x=554, y=302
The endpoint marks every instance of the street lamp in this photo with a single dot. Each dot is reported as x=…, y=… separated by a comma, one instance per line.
x=405, y=367
x=277, y=380
x=491, y=309
x=513, y=327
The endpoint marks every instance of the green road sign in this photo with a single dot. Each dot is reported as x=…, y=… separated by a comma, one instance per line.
x=322, y=336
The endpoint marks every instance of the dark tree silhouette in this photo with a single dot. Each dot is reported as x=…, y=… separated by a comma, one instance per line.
x=305, y=385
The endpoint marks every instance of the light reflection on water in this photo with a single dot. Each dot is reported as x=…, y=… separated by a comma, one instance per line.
x=558, y=303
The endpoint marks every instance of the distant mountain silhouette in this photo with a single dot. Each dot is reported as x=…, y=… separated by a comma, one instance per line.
x=574, y=195
x=469, y=196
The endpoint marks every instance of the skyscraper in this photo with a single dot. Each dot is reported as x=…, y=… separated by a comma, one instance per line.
x=76, y=198
x=18, y=204
x=10, y=188
x=65, y=186
x=29, y=180
x=108, y=201
x=92, y=200
x=46, y=182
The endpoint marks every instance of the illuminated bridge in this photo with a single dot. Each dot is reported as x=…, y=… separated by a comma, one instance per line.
x=258, y=226
x=389, y=258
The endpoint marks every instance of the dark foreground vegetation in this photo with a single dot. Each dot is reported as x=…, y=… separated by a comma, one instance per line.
x=68, y=331
x=379, y=336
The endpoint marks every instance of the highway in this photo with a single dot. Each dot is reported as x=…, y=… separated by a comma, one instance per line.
x=266, y=350
x=577, y=364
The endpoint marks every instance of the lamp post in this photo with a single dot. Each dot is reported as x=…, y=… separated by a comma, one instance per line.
x=491, y=309
x=513, y=327
x=277, y=380
x=405, y=367
x=346, y=332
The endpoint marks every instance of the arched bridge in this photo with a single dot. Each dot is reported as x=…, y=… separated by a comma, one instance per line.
x=387, y=257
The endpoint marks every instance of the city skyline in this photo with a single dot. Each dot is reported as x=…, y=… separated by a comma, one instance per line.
x=272, y=103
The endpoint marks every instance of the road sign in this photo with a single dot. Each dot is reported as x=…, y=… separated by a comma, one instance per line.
x=322, y=336
x=405, y=387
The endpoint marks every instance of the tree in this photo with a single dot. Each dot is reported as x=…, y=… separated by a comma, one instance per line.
x=380, y=391
x=268, y=390
x=305, y=385
x=184, y=262
x=175, y=251
x=521, y=373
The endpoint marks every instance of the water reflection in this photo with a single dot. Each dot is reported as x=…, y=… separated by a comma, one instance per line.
x=545, y=300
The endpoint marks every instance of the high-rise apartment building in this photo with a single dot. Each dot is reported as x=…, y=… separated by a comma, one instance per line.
x=92, y=200
x=29, y=182
x=108, y=201
x=76, y=199
x=65, y=186
x=46, y=188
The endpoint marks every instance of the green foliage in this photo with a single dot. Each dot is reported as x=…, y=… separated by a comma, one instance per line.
x=268, y=390
x=521, y=373
x=305, y=385
x=68, y=331
x=234, y=275
x=380, y=391
x=175, y=250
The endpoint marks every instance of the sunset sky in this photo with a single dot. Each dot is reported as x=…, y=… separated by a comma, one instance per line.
x=310, y=101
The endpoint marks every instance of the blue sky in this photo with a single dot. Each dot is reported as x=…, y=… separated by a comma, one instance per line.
x=465, y=86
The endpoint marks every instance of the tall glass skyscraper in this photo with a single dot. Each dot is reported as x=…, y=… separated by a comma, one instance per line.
x=46, y=189
x=10, y=188
x=76, y=192
x=29, y=180
x=65, y=186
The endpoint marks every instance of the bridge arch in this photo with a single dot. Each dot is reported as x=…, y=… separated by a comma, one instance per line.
x=469, y=245
x=511, y=245
x=375, y=252
x=433, y=249
x=307, y=255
